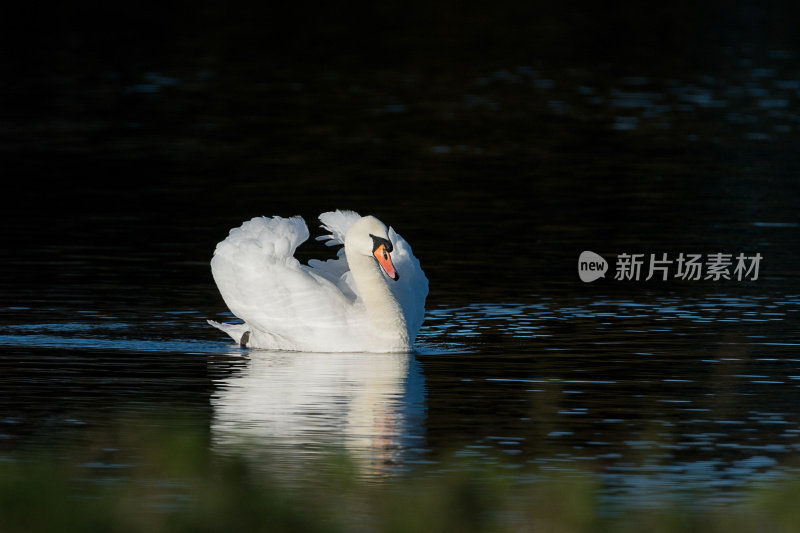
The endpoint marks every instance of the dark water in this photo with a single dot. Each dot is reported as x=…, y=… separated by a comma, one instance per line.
x=500, y=154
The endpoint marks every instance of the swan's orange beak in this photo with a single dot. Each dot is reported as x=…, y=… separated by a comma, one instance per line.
x=385, y=260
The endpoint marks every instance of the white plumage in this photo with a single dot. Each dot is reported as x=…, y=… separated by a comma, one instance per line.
x=349, y=303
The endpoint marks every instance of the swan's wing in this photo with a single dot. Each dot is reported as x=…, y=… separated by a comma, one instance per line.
x=337, y=271
x=411, y=289
x=264, y=285
x=337, y=222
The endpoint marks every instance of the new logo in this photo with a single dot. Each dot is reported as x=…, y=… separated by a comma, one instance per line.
x=591, y=266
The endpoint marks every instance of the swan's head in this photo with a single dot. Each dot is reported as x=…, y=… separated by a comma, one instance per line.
x=369, y=236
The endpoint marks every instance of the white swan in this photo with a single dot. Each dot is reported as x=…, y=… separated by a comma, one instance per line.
x=371, y=298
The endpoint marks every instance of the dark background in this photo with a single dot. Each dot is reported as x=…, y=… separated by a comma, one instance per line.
x=134, y=135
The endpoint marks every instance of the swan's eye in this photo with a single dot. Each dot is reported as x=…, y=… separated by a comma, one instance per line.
x=380, y=242
x=381, y=252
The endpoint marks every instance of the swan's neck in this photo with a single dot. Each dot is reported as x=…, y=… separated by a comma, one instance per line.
x=383, y=311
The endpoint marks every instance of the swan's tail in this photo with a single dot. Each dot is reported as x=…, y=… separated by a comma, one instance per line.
x=238, y=332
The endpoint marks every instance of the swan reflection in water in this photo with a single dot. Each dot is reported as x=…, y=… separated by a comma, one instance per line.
x=289, y=406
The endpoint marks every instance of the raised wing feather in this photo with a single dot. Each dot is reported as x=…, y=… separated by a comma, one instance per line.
x=337, y=271
x=263, y=284
x=337, y=222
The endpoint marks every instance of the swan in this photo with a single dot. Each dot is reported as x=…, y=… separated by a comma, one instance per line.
x=370, y=298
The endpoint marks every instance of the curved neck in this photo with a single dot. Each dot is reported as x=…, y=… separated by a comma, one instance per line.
x=383, y=310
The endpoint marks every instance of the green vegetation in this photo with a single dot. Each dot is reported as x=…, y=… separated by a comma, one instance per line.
x=174, y=484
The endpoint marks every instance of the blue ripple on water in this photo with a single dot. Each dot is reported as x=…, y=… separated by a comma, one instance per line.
x=96, y=343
